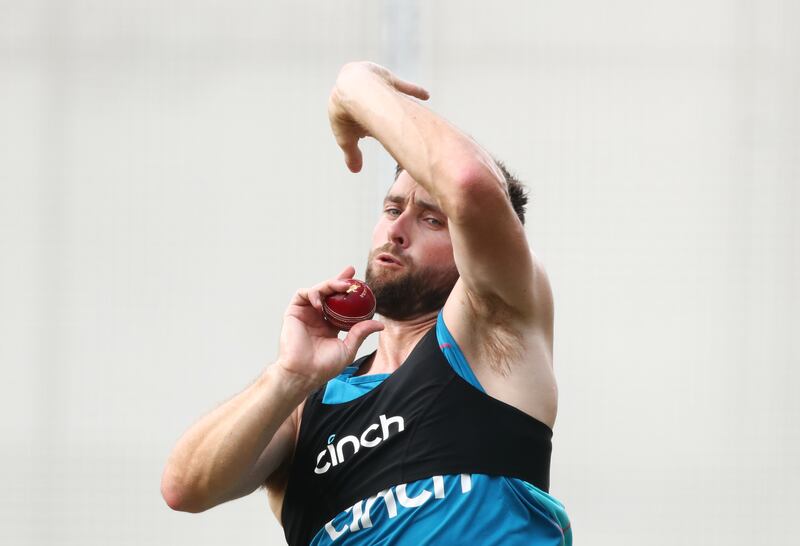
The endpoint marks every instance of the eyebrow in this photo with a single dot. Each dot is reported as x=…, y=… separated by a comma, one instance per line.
x=391, y=198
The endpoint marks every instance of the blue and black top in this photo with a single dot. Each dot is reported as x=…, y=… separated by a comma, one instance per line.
x=420, y=456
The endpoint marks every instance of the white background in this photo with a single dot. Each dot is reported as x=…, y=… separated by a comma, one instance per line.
x=167, y=180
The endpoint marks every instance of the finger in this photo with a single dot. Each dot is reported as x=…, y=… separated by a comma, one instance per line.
x=347, y=273
x=411, y=89
x=325, y=289
x=300, y=297
x=348, y=142
x=352, y=158
x=358, y=333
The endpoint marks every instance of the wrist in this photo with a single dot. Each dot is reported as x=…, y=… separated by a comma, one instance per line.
x=293, y=385
x=353, y=80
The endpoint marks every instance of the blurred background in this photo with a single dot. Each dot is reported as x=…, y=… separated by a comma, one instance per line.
x=168, y=179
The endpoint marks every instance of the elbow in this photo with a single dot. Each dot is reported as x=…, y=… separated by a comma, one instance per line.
x=178, y=496
x=478, y=189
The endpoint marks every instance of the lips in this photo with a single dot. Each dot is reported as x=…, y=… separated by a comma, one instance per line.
x=388, y=258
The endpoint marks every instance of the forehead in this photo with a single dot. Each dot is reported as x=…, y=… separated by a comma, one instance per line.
x=407, y=188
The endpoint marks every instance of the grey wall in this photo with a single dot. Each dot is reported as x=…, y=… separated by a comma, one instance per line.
x=167, y=180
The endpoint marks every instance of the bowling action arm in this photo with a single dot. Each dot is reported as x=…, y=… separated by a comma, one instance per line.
x=231, y=451
x=494, y=261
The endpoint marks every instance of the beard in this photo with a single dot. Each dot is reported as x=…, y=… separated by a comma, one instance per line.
x=410, y=292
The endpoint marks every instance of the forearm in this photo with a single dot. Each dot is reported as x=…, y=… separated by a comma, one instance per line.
x=215, y=458
x=440, y=157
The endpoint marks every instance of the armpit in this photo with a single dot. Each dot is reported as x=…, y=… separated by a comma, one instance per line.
x=499, y=342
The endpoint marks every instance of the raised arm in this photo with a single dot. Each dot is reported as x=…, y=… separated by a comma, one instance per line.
x=489, y=244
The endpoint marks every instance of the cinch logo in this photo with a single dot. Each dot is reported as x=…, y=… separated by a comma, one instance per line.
x=394, y=501
x=368, y=438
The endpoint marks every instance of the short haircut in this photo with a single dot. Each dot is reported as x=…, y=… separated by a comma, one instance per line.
x=517, y=192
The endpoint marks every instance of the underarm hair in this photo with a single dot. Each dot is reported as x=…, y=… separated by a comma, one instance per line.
x=501, y=343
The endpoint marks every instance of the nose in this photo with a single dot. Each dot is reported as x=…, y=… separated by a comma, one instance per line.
x=398, y=231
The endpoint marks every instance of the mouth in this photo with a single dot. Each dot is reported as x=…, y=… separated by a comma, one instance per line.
x=388, y=259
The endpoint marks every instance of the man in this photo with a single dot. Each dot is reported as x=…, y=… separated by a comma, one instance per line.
x=442, y=435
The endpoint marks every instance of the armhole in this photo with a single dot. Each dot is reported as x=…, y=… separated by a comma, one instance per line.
x=453, y=354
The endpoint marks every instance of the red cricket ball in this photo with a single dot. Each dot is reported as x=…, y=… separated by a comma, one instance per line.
x=345, y=309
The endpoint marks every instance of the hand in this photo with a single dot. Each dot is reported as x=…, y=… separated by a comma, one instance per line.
x=310, y=349
x=346, y=129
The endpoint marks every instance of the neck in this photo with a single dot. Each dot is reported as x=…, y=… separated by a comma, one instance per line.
x=396, y=341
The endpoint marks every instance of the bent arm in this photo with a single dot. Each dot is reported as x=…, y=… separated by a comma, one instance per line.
x=231, y=451
x=236, y=447
x=437, y=155
x=490, y=248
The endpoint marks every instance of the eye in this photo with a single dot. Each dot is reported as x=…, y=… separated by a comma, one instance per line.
x=391, y=211
x=435, y=222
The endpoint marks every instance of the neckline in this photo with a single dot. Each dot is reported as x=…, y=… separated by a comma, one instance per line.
x=353, y=379
x=361, y=362
x=389, y=377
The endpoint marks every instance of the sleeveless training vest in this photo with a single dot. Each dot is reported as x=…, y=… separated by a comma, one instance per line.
x=421, y=421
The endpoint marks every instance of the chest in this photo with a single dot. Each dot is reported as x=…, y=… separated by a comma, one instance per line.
x=423, y=420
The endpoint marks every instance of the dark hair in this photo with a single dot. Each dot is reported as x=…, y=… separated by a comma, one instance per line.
x=517, y=192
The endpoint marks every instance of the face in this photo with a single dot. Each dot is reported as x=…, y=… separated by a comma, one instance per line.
x=410, y=268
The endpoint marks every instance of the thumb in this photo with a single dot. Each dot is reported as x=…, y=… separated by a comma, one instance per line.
x=352, y=156
x=358, y=333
